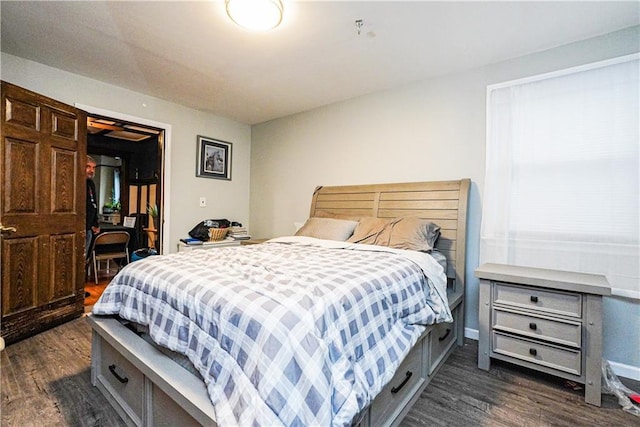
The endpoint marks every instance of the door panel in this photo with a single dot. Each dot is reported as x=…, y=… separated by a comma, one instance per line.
x=43, y=143
x=20, y=176
x=63, y=272
x=23, y=113
x=64, y=126
x=19, y=274
x=63, y=180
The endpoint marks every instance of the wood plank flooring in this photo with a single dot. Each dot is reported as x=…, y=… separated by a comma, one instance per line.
x=46, y=380
x=93, y=292
x=507, y=395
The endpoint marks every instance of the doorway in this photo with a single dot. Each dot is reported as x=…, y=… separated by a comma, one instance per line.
x=153, y=176
x=128, y=179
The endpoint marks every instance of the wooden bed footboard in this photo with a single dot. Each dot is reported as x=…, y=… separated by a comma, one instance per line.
x=144, y=385
x=147, y=388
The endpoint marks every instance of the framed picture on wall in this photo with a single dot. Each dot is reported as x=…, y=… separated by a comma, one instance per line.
x=214, y=158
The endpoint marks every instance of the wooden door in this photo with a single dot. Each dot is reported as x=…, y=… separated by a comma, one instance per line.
x=43, y=145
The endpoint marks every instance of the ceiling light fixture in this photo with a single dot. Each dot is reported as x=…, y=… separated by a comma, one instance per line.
x=257, y=15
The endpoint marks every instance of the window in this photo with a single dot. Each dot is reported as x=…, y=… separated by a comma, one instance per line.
x=116, y=184
x=563, y=171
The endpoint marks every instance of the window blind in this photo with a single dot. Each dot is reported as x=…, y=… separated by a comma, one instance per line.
x=563, y=170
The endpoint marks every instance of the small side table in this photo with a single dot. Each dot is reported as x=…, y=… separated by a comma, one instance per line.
x=546, y=320
x=183, y=247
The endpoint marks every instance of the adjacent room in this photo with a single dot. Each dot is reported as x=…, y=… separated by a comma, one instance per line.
x=352, y=213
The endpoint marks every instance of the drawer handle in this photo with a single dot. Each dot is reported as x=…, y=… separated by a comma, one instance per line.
x=533, y=352
x=534, y=298
x=533, y=326
x=123, y=380
x=446, y=334
x=406, y=378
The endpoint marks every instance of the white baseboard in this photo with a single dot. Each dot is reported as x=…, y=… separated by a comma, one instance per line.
x=626, y=371
x=471, y=334
x=620, y=369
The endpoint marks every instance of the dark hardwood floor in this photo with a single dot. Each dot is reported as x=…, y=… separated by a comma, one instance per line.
x=507, y=395
x=46, y=380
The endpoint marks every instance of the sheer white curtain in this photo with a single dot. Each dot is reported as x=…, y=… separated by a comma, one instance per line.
x=563, y=170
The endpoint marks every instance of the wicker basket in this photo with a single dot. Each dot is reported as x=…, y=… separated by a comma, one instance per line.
x=216, y=234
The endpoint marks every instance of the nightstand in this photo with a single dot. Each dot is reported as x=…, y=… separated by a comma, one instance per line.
x=183, y=247
x=546, y=320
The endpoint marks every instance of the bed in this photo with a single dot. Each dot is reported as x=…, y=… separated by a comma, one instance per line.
x=342, y=377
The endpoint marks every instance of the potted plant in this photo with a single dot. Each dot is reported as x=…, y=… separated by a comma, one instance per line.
x=152, y=210
x=113, y=205
x=112, y=209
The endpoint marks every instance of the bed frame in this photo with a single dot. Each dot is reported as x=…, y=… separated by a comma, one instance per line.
x=147, y=388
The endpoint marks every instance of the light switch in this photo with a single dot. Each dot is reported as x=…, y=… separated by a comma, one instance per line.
x=203, y=202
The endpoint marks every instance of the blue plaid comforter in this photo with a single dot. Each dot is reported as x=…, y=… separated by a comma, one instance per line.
x=294, y=332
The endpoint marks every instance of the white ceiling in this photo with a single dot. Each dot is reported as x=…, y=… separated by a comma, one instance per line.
x=192, y=54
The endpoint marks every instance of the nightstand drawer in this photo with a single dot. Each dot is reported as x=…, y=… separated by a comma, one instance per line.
x=558, y=358
x=556, y=331
x=568, y=304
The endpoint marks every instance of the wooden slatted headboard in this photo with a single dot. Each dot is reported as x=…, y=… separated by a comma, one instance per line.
x=441, y=202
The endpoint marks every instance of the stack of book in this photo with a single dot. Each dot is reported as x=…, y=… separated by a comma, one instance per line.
x=238, y=233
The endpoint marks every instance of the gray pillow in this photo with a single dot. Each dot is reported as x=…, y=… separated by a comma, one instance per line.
x=368, y=230
x=327, y=228
x=409, y=233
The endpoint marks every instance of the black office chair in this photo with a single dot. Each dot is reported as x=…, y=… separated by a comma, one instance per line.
x=110, y=245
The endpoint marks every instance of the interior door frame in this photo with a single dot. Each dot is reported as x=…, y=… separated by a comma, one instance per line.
x=166, y=162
